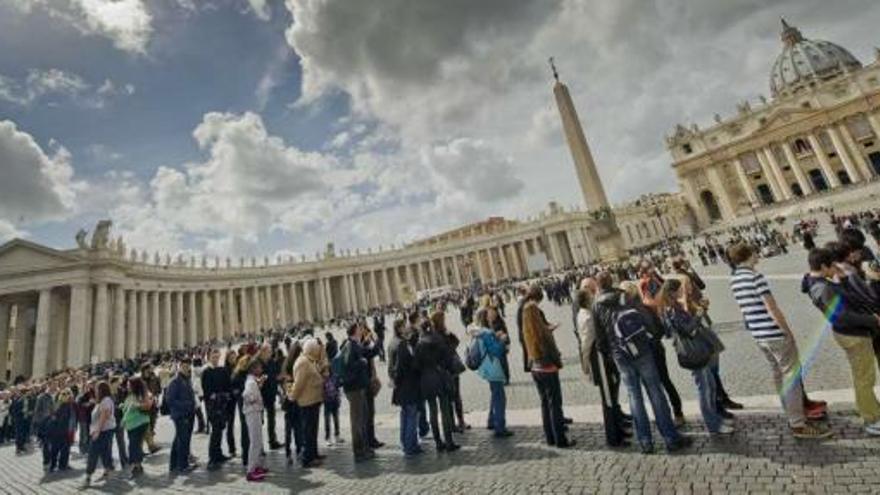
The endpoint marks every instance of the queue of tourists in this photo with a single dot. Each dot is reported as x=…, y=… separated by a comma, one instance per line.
x=622, y=315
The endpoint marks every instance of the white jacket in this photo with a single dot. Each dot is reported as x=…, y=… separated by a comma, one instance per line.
x=252, y=398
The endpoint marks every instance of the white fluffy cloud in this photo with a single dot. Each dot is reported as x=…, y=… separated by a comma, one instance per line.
x=471, y=167
x=42, y=84
x=439, y=71
x=127, y=23
x=36, y=186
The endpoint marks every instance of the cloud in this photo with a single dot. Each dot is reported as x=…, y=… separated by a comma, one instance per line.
x=261, y=9
x=8, y=231
x=42, y=84
x=126, y=23
x=35, y=186
x=473, y=168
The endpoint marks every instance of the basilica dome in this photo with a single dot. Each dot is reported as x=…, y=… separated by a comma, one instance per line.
x=804, y=63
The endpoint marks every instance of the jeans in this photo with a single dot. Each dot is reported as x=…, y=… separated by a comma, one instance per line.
x=179, y=458
x=59, y=453
x=120, y=444
x=136, y=444
x=357, y=415
x=441, y=405
x=782, y=355
x=215, y=452
x=292, y=428
x=331, y=414
x=100, y=447
x=424, y=427
x=42, y=435
x=456, y=400
x=498, y=407
x=230, y=430
x=370, y=422
x=659, y=353
x=84, y=438
x=269, y=407
x=551, y=407
x=636, y=374
x=706, y=387
x=607, y=377
x=309, y=418
x=860, y=354
x=409, y=428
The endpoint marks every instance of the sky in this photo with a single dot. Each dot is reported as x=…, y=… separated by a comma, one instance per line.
x=239, y=128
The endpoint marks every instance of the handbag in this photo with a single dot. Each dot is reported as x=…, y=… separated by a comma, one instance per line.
x=693, y=347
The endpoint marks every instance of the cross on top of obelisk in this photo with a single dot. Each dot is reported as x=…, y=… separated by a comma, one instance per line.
x=553, y=68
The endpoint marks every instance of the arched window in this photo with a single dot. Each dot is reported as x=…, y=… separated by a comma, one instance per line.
x=647, y=232
x=629, y=234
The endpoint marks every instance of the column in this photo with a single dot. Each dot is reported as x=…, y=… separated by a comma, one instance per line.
x=155, y=322
x=840, y=149
x=119, y=335
x=256, y=310
x=456, y=272
x=505, y=267
x=282, y=305
x=319, y=299
x=410, y=279
x=824, y=164
x=269, y=297
x=697, y=206
x=100, y=342
x=131, y=329
x=721, y=193
x=167, y=320
x=192, y=318
x=374, y=289
x=247, y=324
x=362, y=294
x=779, y=174
x=77, y=338
x=41, y=338
x=294, y=300
x=307, y=300
x=143, y=322
x=770, y=175
x=231, y=313
x=220, y=328
x=179, y=327
x=744, y=181
x=205, y=333
x=386, y=285
x=874, y=122
x=799, y=174
x=398, y=283
x=432, y=274
x=328, y=299
x=862, y=164
x=4, y=338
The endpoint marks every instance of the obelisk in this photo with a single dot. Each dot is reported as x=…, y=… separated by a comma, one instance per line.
x=588, y=176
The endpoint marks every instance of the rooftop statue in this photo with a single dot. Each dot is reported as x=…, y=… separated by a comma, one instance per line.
x=101, y=237
x=81, y=239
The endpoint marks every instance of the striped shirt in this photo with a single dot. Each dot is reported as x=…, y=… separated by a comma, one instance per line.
x=749, y=289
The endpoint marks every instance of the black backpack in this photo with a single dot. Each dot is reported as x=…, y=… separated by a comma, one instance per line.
x=631, y=336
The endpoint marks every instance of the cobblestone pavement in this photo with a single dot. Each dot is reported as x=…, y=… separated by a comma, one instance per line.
x=761, y=457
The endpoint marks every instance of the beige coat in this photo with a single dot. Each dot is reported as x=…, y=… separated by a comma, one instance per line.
x=308, y=382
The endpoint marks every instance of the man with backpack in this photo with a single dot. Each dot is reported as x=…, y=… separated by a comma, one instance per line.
x=352, y=366
x=622, y=332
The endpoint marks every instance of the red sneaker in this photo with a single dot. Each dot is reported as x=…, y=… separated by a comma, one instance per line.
x=261, y=470
x=255, y=476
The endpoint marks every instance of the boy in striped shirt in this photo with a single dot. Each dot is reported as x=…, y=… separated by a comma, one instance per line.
x=768, y=326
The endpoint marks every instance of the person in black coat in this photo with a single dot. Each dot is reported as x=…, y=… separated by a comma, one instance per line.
x=181, y=401
x=271, y=370
x=433, y=361
x=405, y=377
x=217, y=390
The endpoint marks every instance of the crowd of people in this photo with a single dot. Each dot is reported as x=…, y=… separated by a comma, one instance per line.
x=622, y=313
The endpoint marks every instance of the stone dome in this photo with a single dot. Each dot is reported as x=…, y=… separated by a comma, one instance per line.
x=804, y=62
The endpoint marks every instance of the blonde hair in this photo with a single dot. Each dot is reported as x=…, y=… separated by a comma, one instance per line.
x=630, y=288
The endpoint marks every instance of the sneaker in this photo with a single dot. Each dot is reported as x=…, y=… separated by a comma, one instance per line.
x=812, y=432
x=647, y=448
x=729, y=404
x=255, y=477
x=504, y=434
x=873, y=429
x=329, y=443
x=724, y=429
x=261, y=470
x=815, y=411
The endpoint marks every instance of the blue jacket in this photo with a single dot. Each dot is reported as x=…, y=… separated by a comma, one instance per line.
x=492, y=350
x=180, y=398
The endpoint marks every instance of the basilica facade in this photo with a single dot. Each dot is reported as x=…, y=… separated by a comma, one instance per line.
x=818, y=134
